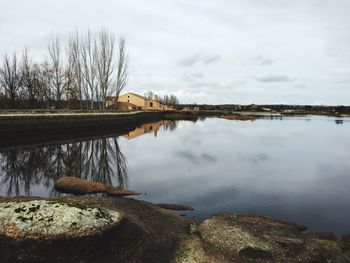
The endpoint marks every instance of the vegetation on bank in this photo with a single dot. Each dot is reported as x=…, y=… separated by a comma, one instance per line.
x=275, y=108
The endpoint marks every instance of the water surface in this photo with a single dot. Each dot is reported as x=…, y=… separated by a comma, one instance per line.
x=296, y=168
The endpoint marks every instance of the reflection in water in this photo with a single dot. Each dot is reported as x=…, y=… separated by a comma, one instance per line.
x=96, y=160
x=152, y=128
x=339, y=121
x=38, y=167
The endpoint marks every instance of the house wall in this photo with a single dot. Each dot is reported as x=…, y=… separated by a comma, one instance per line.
x=130, y=101
x=133, y=99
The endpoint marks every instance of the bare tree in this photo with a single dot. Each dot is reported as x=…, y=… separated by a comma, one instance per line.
x=122, y=73
x=30, y=78
x=105, y=67
x=77, y=66
x=149, y=95
x=10, y=78
x=173, y=100
x=89, y=68
x=42, y=89
x=70, y=86
x=56, y=70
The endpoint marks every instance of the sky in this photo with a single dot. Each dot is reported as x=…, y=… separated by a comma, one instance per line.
x=211, y=52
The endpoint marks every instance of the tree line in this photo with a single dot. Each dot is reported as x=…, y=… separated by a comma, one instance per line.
x=166, y=99
x=78, y=75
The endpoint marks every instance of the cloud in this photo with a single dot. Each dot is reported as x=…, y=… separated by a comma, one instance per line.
x=261, y=61
x=274, y=78
x=197, y=75
x=212, y=59
x=190, y=61
x=198, y=58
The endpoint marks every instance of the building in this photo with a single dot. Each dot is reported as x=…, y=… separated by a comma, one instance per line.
x=133, y=101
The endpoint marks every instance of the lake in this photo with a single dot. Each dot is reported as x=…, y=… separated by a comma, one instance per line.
x=291, y=168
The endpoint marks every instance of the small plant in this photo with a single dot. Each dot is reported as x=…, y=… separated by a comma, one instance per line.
x=193, y=228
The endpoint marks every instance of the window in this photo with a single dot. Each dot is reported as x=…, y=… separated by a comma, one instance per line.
x=151, y=104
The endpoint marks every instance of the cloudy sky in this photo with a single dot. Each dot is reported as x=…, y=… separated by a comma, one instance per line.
x=223, y=51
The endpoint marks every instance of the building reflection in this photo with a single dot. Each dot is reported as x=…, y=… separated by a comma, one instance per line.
x=99, y=160
x=151, y=128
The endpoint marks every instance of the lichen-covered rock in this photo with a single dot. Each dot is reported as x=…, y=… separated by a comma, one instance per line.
x=251, y=238
x=78, y=186
x=40, y=219
x=145, y=232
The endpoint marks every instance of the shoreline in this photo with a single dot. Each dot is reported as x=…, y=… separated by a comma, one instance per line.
x=25, y=129
x=21, y=129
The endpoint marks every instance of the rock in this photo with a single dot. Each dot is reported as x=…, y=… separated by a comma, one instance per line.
x=175, y=207
x=251, y=238
x=112, y=191
x=142, y=233
x=73, y=185
x=78, y=186
x=346, y=238
x=345, y=243
x=323, y=235
x=40, y=219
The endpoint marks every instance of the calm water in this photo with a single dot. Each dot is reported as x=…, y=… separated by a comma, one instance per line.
x=296, y=169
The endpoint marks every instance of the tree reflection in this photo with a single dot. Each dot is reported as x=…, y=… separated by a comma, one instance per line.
x=99, y=160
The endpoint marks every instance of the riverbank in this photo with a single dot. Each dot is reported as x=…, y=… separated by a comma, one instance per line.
x=21, y=128
x=25, y=128
x=143, y=232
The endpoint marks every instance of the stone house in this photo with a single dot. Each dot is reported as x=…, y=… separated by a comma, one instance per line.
x=133, y=101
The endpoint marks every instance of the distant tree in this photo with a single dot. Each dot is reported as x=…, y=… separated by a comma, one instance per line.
x=55, y=70
x=169, y=100
x=70, y=78
x=149, y=95
x=105, y=66
x=122, y=69
x=75, y=51
x=173, y=100
x=89, y=68
x=10, y=78
x=30, y=76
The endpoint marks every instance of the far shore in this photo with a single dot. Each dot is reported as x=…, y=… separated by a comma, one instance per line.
x=25, y=127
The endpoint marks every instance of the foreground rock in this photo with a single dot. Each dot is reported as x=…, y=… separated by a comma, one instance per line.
x=73, y=185
x=102, y=229
x=87, y=229
x=259, y=239
x=40, y=219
